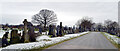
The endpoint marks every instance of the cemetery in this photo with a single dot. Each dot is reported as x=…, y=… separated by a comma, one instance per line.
x=27, y=36
x=30, y=38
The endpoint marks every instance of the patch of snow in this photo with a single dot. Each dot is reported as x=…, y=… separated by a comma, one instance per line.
x=42, y=43
x=36, y=31
x=42, y=37
x=20, y=31
x=2, y=33
x=45, y=33
x=113, y=38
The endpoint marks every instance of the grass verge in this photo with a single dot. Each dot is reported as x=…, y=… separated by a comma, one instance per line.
x=45, y=47
x=115, y=44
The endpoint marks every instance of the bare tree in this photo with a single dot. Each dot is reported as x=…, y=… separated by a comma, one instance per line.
x=45, y=17
x=112, y=26
x=107, y=23
x=99, y=26
x=110, y=23
x=85, y=23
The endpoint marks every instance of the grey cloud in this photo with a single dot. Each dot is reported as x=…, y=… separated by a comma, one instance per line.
x=98, y=10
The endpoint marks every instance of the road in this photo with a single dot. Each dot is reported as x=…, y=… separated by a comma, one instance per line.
x=93, y=40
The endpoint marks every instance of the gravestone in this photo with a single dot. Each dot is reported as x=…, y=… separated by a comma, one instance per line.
x=58, y=28
x=23, y=37
x=31, y=33
x=80, y=29
x=14, y=38
x=61, y=30
x=65, y=29
x=52, y=31
x=4, y=40
x=77, y=30
x=40, y=30
x=73, y=30
x=26, y=37
x=70, y=30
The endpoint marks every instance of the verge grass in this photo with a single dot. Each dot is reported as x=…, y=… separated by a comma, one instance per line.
x=45, y=47
x=111, y=40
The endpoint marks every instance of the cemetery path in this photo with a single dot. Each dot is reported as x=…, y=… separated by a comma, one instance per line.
x=93, y=40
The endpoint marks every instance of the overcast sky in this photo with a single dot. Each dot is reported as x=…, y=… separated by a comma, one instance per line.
x=68, y=12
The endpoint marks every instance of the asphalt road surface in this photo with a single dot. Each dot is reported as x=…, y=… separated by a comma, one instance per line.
x=93, y=40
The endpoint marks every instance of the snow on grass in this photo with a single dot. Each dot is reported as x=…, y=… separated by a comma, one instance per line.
x=36, y=31
x=43, y=40
x=113, y=38
x=45, y=33
x=2, y=33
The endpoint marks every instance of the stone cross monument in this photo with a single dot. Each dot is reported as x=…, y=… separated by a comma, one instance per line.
x=25, y=31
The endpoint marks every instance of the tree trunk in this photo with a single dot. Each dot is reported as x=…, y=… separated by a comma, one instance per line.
x=45, y=25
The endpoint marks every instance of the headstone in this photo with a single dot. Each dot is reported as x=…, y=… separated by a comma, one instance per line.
x=77, y=30
x=66, y=30
x=58, y=27
x=70, y=30
x=4, y=40
x=73, y=30
x=50, y=30
x=23, y=37
x=14, y=38
x=54, y=30
x=31, y=34
x=61, y=31
x=40, y=30
x=25, y=31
